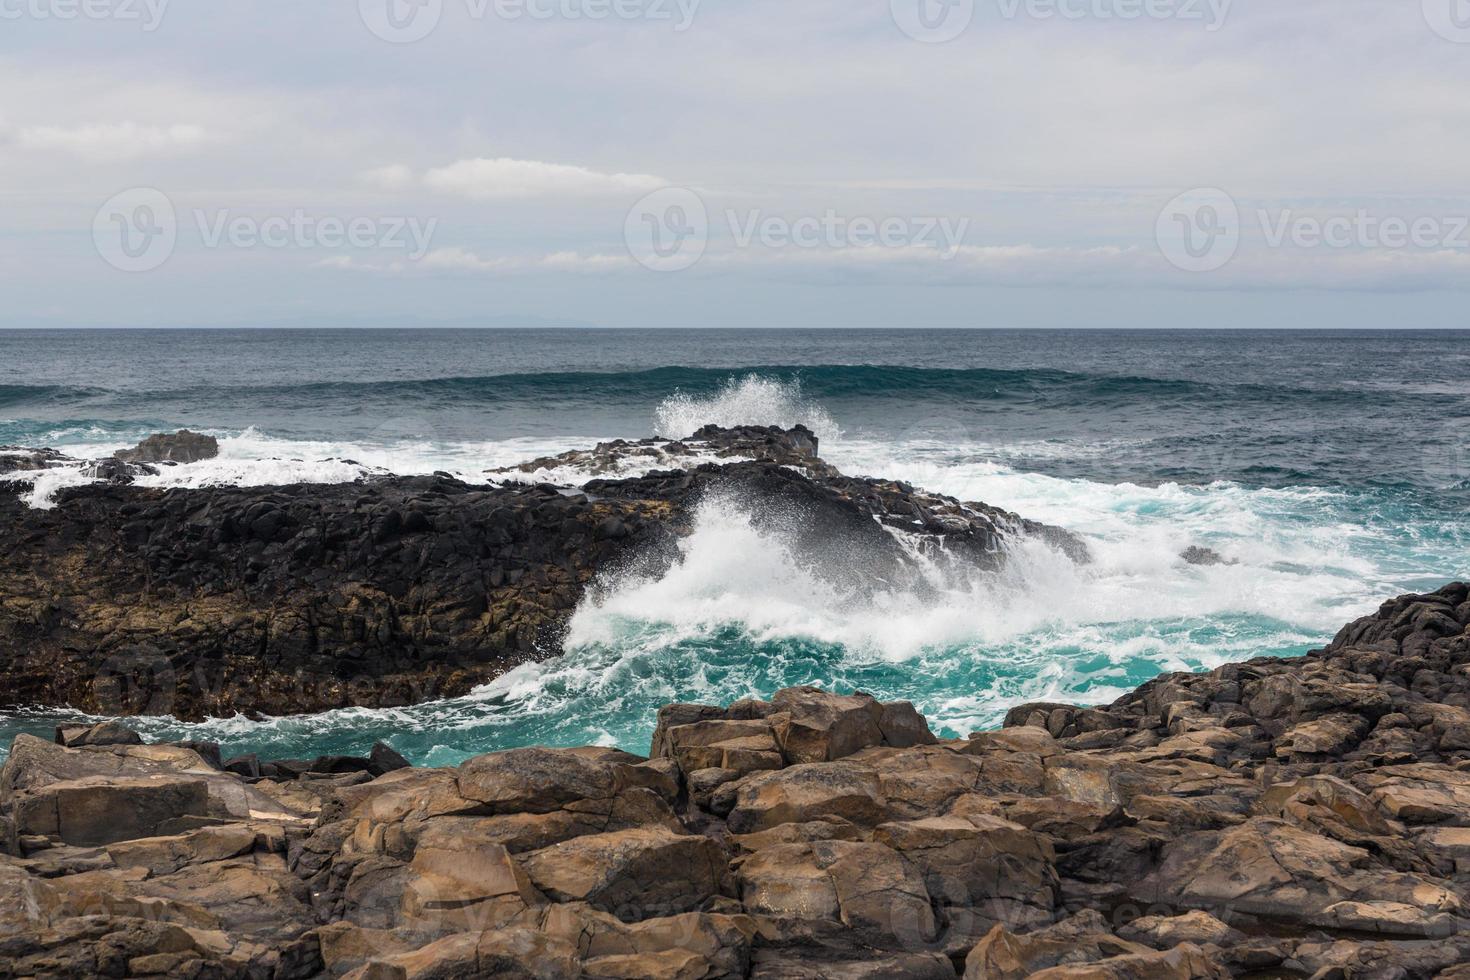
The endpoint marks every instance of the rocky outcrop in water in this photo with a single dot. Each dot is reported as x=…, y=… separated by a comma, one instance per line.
x=126, y=600
x=177, y=447
x=1275, y=818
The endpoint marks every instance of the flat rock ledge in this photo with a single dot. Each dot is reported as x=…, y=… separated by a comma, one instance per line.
x=1276, y=818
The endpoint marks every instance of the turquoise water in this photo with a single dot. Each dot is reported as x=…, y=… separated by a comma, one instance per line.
x=1332, y=468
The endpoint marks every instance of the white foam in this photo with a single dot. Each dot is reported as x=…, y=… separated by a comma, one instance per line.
x=253, y=459
x=751, y=400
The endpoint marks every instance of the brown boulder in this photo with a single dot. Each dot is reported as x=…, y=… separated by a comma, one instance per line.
x=804, y=793
x=982, y=870
x=99, y=810
x=636, y=874
x=867, y=887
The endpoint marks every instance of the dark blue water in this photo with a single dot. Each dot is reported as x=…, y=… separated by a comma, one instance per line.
x=1334, y=466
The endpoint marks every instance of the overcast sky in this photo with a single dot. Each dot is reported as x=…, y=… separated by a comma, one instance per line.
x=1000, y=163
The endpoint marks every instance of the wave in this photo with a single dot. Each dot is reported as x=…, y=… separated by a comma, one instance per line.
x=17, y=395
x=819, y=381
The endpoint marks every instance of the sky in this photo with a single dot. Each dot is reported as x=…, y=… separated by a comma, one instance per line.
x=687, y=163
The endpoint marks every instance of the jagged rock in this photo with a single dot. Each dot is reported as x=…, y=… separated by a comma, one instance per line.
x=1166, y=932
x=841, y=790
x=385, y=759
x=165, y=855
x=981, y=863
x=511, y=953
x=100, y=809
x=1198, y=555
x=867, y=887
x=19, y=459
x=634, y=874
x=35, y=764
x=1269, y=868
x=1185, y=962
x=814, y=965
x=179, y=447
x=1004, y=955
x=103, y=733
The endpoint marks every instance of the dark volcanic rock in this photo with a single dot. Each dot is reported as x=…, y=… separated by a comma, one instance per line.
x=18, y=459
x=125, y=600
x=178, y=447
x=131, y=601
x=1197, y=555
x=795, y=447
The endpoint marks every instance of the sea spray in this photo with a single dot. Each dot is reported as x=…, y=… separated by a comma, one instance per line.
x=750, y=400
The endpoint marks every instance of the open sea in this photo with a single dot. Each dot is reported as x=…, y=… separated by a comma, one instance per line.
x=1333, y=467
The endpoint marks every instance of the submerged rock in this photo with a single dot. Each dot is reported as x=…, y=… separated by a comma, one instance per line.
x=1197, y=555
x=1191, y=829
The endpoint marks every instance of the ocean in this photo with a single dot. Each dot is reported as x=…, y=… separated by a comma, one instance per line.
x=1332, y=467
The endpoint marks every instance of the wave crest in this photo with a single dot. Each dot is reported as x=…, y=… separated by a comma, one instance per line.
x=752, y=400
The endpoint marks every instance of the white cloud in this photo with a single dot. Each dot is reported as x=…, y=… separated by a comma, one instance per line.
x=112, y=141
x=1254, y=270
x=454, y=259
x=393, y=177
x=484, y=179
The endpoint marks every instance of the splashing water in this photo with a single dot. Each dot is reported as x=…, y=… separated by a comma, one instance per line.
x=751, y=400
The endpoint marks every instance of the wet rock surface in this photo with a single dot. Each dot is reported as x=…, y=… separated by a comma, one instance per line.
x=124, y=600
x=1276, y=818
x=177, y=447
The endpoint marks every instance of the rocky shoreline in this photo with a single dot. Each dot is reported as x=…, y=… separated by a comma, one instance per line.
x=127, y=600
x=1306, y=817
